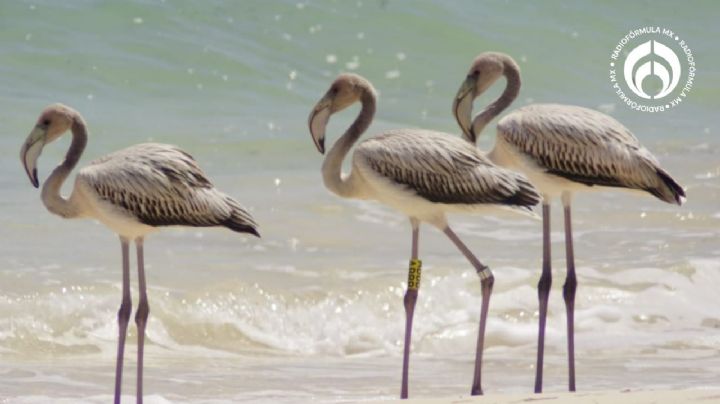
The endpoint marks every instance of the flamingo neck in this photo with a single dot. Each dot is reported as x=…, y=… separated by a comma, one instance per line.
x=512, y=89
x=332, y=166
x=51, y=197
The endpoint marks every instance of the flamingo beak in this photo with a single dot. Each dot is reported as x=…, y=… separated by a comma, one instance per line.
x=317, y=122
x=30, y=152
x=462, y=107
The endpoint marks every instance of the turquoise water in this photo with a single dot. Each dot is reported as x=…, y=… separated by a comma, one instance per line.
x=313, y=310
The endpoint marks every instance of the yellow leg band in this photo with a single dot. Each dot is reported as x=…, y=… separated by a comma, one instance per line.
x=414, y=274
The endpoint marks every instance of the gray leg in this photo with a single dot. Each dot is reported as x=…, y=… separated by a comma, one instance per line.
x=123, y=317
x=569, y=297
x=141, y=317
x=487, y=281
x=543, y=294
x=409, y=301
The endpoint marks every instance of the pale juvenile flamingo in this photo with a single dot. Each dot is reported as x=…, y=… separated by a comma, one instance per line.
x=133, y=191
x=421, y=173
x=562, y=149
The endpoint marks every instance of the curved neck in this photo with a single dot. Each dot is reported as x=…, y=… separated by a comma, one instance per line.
x=51, y=197
x=512, y=89
x=332, y=166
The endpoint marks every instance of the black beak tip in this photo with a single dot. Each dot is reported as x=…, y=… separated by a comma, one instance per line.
x=34, y=178
x=321, y=146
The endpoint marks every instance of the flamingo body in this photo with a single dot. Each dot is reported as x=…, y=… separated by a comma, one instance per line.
x=565, y=148
x=136, y=190
x=427, y=174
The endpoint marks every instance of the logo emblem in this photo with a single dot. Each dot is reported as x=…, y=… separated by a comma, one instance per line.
x=634, y=74
x=652, y=70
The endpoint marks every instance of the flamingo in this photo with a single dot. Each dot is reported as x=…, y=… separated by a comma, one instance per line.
x=422, y=174
x=134, y=192
x=562, y=149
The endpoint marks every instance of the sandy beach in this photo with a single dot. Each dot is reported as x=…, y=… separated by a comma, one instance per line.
x=596, y=397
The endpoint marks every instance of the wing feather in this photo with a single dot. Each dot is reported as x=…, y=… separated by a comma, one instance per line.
x=161, y=185
x=580, y=144
x=443, y=169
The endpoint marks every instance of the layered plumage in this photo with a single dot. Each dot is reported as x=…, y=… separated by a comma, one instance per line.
x=161, y=185
x=587, y=147
x=442, y=169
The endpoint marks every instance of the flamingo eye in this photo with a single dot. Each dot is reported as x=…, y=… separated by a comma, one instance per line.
x=334, y=90
x=46, y=122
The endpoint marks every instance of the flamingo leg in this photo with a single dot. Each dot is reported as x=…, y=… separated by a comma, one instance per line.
x=123, y=317
x=409, y=302
x=569, y=296
x=487, y=280
x=543, y=295
x=141, y=316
